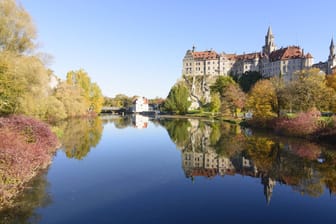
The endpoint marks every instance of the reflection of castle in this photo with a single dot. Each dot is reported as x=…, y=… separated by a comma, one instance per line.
x=140, y=121
x=209, y=164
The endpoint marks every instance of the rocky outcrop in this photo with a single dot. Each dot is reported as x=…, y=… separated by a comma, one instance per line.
x=199, y=89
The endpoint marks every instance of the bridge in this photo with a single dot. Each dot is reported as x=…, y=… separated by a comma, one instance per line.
x=113, y=110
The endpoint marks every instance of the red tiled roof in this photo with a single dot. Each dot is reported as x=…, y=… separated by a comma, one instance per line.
x=230, y=56
x=205, y=55
x=288, y=53
x=204, y=172
x=249, y=56
x=144, y=99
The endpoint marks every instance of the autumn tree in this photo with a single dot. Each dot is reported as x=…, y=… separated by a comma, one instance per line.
x=309, y=89
x=178, y=99
x=231, y=96
x=262, y=100
x=89, y=91
x=17, y=32
x=70, y=96
x=331, y=80
x=23, y=85
x=234, y=99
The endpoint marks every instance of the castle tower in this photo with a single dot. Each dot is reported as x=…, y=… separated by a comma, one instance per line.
x=269, y=42
x=332, y=57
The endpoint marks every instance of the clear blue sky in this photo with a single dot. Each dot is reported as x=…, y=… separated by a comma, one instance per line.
x=136, y=47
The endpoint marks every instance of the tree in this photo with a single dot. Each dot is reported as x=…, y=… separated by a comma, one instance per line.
x=231, y=96
x=23, y=84
x=177, y=100
x=309, y=89
x=222, y=82
x=90, y=91
x=70, y=96
x=234, y=98
x=262, y=100
x=248, y=79
x=331, y=81
x=215, y=102
x=17, y=32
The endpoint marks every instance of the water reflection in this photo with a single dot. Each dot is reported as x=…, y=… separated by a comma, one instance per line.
x=136, y=120
x=210, y=149
x=80, y=135
x=24, y=209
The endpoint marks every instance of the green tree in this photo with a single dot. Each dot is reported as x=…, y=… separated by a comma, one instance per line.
x=215, y=102
x=17, y=32
x=248, y=79
x=222, y=82
x=177, y=100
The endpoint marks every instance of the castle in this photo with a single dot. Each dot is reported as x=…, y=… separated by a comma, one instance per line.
x=270, y=61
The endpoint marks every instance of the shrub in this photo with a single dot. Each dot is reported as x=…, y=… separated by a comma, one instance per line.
x=26, y=146
x=304, y=124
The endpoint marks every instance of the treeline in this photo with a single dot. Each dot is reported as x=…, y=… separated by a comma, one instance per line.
x=266, y=98
x=124, y=101
x=27, y=86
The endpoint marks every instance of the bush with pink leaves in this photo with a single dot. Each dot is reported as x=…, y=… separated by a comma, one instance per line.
x=306, y=123
x=26, y=146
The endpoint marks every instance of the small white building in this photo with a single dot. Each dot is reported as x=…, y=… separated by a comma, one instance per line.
x=140, y=104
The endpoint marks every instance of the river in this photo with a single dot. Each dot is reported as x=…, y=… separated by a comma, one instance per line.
x=138, y=170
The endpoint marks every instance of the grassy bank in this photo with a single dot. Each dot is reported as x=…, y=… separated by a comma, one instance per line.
x=26, y=146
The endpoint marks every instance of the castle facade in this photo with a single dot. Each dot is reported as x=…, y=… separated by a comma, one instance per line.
x=270, y=61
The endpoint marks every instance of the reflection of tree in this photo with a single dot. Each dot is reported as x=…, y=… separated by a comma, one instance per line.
x=178, y=131
x=25, y=205
x=230, y=142
x=79, y=135
x=122, y=122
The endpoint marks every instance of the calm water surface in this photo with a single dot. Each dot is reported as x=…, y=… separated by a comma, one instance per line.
x=135, y=170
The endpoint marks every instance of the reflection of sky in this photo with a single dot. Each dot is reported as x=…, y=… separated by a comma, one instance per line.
x=136, y=176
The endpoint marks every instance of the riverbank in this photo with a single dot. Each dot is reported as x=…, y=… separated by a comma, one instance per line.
x=209, y=116
x=309, y=125
x=26, y=147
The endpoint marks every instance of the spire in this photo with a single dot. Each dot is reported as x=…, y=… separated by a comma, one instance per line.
x=269, y=42
x=269, y=31
x=332, y=41
x=332, y=49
